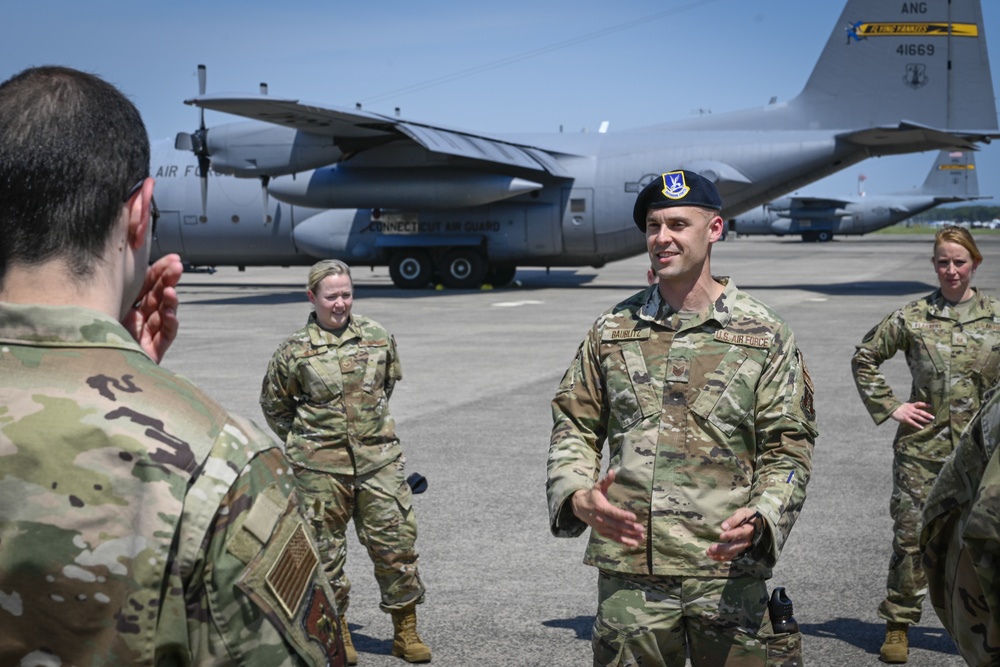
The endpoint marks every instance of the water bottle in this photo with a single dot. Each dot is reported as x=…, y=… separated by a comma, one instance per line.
x=779, y=608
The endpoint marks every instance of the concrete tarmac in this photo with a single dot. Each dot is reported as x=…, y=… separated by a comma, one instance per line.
x=480, y=368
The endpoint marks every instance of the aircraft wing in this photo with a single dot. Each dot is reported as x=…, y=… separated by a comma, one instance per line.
x=910, y=137
x=355, y=130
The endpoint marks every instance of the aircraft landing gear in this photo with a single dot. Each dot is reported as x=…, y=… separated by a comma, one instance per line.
x=500, y=275
x=410, y=269
x=822, y=235
x=462, y=268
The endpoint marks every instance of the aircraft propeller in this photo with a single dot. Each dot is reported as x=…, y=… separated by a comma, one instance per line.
x=197, y=143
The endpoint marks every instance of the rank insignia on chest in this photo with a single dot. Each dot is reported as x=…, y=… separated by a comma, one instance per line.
x=762, y=340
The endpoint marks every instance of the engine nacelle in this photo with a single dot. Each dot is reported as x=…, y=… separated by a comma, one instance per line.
x=261, y=149
x=339, y=187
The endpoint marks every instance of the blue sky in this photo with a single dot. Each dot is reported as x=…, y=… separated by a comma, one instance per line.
x=511, y=66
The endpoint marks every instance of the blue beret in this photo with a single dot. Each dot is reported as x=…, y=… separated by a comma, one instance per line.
x=676, y=188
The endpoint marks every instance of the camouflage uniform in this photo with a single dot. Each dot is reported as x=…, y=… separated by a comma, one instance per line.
x=953, y=357
x=703, y=415
x=139, y=522
x=327, y=397
x=961, y=540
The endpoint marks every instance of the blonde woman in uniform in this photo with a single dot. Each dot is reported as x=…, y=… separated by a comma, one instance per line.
x=951, y=339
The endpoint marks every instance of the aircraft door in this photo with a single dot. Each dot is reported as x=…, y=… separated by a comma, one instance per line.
x=168, y=233
x=578, y=222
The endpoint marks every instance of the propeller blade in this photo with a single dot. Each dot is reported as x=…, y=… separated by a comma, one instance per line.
x=265, y=196
x=263, y=88
x=202, y=87
x=203, y=167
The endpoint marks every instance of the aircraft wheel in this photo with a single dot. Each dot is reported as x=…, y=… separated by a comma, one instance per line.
x=410, y=269
x=824, y=235
x=463, y=268
x=809, y=237
x=500, y=275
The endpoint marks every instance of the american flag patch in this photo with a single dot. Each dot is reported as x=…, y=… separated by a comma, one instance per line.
x=291, y=574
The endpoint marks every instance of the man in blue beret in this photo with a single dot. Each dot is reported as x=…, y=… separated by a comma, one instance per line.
x=707, y=408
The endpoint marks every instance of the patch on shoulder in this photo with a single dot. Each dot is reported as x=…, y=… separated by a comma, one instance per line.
x=762, y=341
x=321, y=624
x=292, y=572
x=625, y=334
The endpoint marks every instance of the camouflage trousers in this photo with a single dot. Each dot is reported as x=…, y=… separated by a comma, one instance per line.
x=906, y=584
x=659, y=621
x=384, y=520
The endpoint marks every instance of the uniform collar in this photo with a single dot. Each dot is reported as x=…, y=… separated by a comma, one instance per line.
x=655, y=309
x=63, y=326
x=320, y=337
x=981, y=306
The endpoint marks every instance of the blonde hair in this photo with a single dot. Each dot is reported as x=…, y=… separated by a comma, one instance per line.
x=324, y=269
x=961, y=236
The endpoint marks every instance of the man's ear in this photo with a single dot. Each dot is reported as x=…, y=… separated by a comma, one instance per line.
x=139, y=218
x=715, y=228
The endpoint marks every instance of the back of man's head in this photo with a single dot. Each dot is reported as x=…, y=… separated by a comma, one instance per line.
x=71, y=148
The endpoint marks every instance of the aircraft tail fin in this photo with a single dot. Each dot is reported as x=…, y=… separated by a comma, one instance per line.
x=953, y=174
x=892, y=60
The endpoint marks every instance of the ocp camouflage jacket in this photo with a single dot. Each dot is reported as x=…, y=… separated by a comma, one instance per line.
x=703, y=415
x=953, y=361
x=327, y=397
x=960, y=541
x=140, y=523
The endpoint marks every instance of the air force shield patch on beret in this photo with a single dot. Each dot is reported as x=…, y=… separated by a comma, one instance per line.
x=674, y=186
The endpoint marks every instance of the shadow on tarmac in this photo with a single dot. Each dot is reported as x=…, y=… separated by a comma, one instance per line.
x=581, y=625
x=367, y=644
x=536, y=280
x=873, y=288
x=869, y=636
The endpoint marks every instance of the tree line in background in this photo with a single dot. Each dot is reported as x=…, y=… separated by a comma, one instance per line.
x=966, y=213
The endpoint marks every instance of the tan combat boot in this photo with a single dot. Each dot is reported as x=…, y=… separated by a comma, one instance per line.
x=350, y=653
x=896, y=648
x=406, y=643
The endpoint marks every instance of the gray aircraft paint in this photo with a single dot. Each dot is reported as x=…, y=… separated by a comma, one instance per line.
x=952, y=178
x=884, y=85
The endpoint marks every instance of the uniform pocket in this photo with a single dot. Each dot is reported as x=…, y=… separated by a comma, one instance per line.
x=611, y=646
x=987, y=364
x=322, y=379
x=376, y=357
x=631, y=393
x=729, y=392
x=784, y=650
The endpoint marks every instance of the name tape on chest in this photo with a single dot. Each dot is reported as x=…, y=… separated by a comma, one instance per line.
x=625, y=334
x=762, y=341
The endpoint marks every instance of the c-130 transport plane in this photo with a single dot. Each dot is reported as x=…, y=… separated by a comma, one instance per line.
x=952, y=178
x=302, y=181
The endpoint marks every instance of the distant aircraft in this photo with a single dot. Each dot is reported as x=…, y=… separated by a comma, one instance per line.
x=952, y=178
x=435, y=203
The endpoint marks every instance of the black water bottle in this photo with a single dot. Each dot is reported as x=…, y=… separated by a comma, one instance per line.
x=779, y=608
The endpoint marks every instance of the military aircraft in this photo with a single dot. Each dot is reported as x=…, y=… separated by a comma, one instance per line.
x=952, y=178
x=302, y=181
